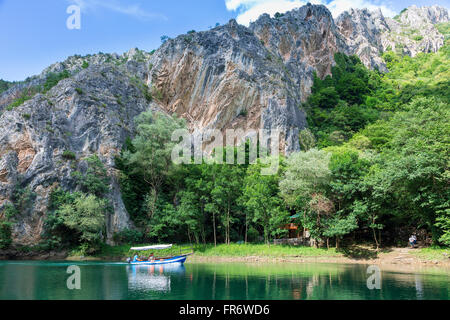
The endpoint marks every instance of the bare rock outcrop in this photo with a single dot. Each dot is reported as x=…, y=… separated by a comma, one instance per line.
x=368, y=33
x=89, y=113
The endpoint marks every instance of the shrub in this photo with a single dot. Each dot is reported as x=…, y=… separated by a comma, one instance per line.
x=79, y=91
x=243, y=113
x=86, y=216
x=128, y=236
x=9, y=211
x=164, y=39
x=95, y=180
x=85, y=65
x=5, y=234
x=17, y=102
x=69, y=155
x=53, y=79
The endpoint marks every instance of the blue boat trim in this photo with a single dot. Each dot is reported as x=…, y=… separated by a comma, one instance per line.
x=177, y=259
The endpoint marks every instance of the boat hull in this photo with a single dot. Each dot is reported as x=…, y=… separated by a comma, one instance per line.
x=178, y=259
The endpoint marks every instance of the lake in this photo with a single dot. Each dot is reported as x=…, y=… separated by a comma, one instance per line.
x=43, y=280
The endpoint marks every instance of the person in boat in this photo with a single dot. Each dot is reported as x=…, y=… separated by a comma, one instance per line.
x=136, y=258
x=151, y=257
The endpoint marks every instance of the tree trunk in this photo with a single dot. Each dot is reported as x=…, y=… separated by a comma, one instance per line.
x=152, y=203
x=246, y=229
x=328, y=243
x=337, y=243
x=228, y=222
x=203, y=226
x=227, y=231
x=375, y=237
x=379, y=237
x=214, y=228
x=189, y=235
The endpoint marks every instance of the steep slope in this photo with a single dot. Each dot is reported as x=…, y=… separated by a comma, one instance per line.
x=305, y=39
x=369, y=34
x=227, y=77
x=89, y=113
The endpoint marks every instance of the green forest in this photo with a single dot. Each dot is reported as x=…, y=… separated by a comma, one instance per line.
x=374, y=167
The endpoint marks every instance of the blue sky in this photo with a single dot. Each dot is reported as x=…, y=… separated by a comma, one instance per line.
x=34, y=33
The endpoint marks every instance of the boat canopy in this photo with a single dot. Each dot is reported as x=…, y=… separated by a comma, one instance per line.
x=157, y=247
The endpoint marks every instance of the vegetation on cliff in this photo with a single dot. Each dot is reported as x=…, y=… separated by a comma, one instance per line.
x=380, y=164
x=374, y=167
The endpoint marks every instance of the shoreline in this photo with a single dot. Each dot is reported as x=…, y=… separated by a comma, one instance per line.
x=410, y=262
x=395, y=258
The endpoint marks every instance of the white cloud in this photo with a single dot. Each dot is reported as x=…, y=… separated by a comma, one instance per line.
x=133, y=10
x=250, y=10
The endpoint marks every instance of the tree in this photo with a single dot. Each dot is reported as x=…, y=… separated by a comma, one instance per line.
x=340, y=225
x=443, y=222
x=225, y=192
x=95, y=180
x=152, y=148
x=8, y=212
x=337, y=105
x=307, y=140
x=304, y=186
x=86, y=216
x=347, y=172
x=410, y=177
x=262, y=201
x=306, y=173
x=164, y=39
x=191, y=215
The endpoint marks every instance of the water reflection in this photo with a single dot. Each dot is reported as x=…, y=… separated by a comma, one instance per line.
x=196, y=281
x=153, y=278
x=419, y=286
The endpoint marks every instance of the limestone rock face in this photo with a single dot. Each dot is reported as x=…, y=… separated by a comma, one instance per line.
x=414, y=31
x=304, y=40
x=363, y=31
x=368, y=33
x=226, y=79
x=90, y=113
x=229, y=77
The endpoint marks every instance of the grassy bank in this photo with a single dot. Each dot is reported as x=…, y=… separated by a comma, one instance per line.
x=433, y=253
x=222, y=250
x=272, y=251
x=262, y=250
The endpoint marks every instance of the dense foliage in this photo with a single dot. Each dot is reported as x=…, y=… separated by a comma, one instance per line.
x=373, y=167
x=339, y=105
x=78, y=218
x=5, y=85
x=375, y=161
x=392, y=173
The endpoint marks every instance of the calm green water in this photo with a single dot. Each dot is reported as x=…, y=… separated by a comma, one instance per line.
x=47, y=280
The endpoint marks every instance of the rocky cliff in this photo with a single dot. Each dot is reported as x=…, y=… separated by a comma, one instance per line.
x=228, y=77
x=369, y=34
